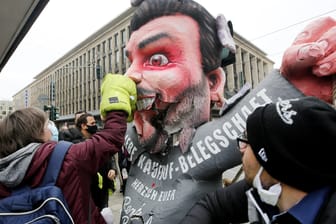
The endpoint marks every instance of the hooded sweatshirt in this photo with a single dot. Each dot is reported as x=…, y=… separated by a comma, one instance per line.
x=27, y=166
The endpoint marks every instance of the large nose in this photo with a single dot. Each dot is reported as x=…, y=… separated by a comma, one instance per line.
x=135, y=76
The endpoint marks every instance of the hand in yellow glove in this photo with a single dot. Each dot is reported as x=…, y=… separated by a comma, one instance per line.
x=118, y=92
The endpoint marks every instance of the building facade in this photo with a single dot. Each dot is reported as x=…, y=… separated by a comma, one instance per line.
x=72, y=83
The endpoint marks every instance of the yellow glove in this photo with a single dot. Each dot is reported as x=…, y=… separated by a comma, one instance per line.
x=118, y=92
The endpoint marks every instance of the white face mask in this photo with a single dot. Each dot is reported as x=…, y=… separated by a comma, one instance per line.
x=270, y=196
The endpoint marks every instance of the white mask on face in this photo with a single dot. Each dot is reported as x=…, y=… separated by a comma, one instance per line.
x=270, y=196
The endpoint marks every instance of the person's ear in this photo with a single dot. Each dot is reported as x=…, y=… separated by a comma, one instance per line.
x=216, y=80
x=83, y=126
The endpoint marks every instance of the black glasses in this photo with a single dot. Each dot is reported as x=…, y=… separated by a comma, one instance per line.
x=242, y=141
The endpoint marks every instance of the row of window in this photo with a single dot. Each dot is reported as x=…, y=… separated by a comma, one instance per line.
x=78, y=82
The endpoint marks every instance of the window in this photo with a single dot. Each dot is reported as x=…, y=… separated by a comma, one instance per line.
x=123, y=37
x=93, y=54
x=104, y=45
x=98, y=51
x=116, y=40
x=109, y=44
x=116, y=61
x=123, y=56
x=110, y=62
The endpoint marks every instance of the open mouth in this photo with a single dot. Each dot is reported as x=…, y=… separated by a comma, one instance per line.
x=154, y=122
x=154, y=108
x=145, y=103
x=152, y=103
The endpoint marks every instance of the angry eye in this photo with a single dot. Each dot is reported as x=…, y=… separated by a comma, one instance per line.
x=158, y=60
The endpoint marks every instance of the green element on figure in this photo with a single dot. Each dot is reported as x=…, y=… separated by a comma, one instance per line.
x=118, y=93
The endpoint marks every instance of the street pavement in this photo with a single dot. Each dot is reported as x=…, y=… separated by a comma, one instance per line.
x=115, y=203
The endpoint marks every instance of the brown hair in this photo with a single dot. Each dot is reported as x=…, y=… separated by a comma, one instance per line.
x=21, y=128
x=82, y=120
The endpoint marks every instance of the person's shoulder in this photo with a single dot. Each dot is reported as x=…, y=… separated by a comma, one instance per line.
x=39, y=160
x=64, y=134
x=74, y=131
x=71, y=134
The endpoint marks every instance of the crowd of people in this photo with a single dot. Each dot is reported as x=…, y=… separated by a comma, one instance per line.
x=289, y=177
x=160, y=103
x=104, y=182
x=26, y=145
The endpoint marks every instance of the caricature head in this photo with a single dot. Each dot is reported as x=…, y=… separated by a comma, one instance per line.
x=209, y=44
x=175, y=60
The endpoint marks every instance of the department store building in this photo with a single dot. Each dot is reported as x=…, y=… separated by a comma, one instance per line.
x=72, y=83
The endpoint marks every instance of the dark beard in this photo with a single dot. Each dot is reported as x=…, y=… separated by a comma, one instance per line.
x=157, y=143
x=184, y=115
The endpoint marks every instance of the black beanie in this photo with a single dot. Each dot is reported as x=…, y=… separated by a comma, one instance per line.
x=294, y=140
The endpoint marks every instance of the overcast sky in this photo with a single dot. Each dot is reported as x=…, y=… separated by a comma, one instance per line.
x=270, y=25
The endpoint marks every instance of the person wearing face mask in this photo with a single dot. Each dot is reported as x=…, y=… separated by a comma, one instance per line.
x=25, y=151
x=86, y=123
x=53, y=130
x=103, y=180
x=289, y=171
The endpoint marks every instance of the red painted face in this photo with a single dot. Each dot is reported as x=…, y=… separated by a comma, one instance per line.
x=173, y=92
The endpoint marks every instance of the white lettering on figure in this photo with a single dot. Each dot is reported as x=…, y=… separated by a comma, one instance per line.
x=196, y=156
x=224, y=142
x=131, y=213
x=211, y=146
x=183, y=164
x=129, y=210
x=265, y=99
x=155, y=169
x=144, y=190
x=151, y=193
x=220, y=138
x=205, y=148
x=167, y=195
x=131, y=148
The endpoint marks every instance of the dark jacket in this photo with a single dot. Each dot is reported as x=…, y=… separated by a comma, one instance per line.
x=230, y=205
x=100, y=194
x=72, y=134
x=100, y=190
x=80, y=163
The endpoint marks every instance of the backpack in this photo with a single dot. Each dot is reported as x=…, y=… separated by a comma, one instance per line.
x=43, y=204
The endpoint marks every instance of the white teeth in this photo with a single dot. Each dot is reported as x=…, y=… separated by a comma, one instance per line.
x=145, y=104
